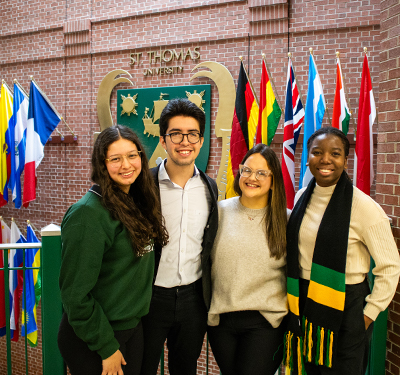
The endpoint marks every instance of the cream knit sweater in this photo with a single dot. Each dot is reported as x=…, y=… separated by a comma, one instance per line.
x=369, y=236
x=243, y=275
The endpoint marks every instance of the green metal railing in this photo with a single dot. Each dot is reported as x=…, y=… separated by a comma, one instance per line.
x=51, y=308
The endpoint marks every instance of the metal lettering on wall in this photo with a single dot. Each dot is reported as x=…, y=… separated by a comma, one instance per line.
x=134, y=108
x=166, y=56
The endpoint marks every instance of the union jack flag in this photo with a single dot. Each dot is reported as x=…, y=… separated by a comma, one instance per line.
x=294, y=117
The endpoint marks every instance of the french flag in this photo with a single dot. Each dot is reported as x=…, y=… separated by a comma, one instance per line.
x=42, y=120
x=16, y=279
x=19, y=124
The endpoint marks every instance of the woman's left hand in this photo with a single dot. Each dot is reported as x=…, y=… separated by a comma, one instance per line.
x=112, y=365
x=367, y=321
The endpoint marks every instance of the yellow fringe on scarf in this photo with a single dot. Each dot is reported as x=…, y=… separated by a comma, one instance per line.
x=330, y=350
x=305, y=338
x=288, y=349
x=310, y=344
x=321, y=348
x=299, y=356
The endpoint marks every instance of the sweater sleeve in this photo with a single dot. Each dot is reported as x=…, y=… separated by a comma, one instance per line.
x=381, y=245
x=82, y=253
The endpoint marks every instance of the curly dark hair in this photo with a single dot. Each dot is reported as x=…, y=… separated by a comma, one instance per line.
x=276, y=215
x=139, y=210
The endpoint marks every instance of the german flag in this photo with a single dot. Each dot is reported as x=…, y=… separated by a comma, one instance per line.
x=270, y=112
x=244, y=127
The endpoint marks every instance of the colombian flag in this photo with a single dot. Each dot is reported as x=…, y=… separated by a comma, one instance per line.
x=269, y=113
x=244, y=127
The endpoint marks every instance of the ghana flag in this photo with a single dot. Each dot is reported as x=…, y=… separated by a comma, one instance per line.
x=269, y=112
x=244, y=127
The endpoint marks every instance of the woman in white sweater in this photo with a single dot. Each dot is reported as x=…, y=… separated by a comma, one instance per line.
x=332, y=233
x=248, y=270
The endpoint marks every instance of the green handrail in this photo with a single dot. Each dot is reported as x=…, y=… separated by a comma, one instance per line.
x=51, y=300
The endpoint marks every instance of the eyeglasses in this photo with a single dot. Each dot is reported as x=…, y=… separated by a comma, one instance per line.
x=261, y=174
x=116, y=160
x=178, y=137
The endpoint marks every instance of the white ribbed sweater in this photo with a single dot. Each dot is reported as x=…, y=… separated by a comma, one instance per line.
x=369, y=235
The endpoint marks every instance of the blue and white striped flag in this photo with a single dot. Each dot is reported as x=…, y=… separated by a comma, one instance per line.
x=315, y=110
x=18, y=124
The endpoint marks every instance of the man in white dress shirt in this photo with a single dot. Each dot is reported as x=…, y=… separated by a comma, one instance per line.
x=182, y=281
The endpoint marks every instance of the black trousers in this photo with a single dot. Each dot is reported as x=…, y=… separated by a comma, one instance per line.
x=245, y=343
x=82, y=361
x=353, y=340
x=179, y=316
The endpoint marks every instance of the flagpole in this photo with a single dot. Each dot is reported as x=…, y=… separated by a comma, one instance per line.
x=294, y=73
x=326, y=102
x=7, y=87
x=272, y=81
x=251, y=85
x=21, y=88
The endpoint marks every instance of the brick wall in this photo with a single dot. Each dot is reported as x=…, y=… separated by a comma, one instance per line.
x=69, y=47
x=388, y=188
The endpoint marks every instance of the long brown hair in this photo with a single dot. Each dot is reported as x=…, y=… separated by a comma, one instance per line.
x=276, y=215
x=139, y=210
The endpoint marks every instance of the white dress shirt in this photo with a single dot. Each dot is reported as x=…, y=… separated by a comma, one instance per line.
x=186, y=212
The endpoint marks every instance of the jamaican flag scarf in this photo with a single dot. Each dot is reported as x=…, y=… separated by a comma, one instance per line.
x=312, y=337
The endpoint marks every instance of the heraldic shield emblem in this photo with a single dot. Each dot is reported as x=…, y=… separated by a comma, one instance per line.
x=140, y=110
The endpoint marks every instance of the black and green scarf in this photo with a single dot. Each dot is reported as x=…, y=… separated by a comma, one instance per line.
x=312, y=338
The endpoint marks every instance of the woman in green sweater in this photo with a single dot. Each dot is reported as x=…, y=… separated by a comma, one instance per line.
x=107, y=260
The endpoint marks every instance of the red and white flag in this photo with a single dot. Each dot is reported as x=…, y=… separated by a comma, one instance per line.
x=363, y=167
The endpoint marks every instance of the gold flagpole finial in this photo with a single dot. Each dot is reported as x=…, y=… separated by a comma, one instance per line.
x=28, y=222
x=311, y=50
x=31, y=77
x=12, y=219
x=365, y=49
x=337, y=53
x=289, y=54
x=241, y=58
x=15, y=80
x=263, y=55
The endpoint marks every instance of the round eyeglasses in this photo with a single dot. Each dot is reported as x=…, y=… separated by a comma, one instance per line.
x=116, y=160
x=177, y=137
x=261, y=174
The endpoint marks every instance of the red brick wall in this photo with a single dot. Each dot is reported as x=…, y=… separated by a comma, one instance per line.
x=69, y=47
x=388, y=188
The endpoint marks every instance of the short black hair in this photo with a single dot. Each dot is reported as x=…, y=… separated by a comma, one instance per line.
x=181, y=107
x=329, y=130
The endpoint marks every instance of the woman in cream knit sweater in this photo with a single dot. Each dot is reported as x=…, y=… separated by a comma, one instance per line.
x=248, y=270
x=333, y=232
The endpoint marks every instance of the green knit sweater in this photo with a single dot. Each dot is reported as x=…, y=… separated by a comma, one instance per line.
x=104, y=285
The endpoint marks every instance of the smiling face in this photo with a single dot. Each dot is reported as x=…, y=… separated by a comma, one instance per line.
x=255, y=192
x=327, y=159
x=125, y=174
x=184, y=153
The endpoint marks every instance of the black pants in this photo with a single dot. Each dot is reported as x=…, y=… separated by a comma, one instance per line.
x=82, y=361
x=179, y=316
x=245, y=343
x=353, y=340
